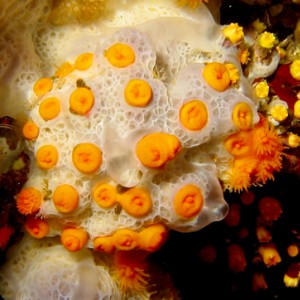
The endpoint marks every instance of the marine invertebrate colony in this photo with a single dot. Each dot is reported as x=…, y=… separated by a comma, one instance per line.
x=122, y=129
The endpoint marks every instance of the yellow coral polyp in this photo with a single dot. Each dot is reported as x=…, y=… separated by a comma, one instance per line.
x=216, y=75
x=295, y=69
x=279, y=112
x=81, y=101
x=267, y=40
x=105, y=195
x=259, y=26
x=36, y=227
x=234, y=73
x=43, y=86
x=245, y=57
x=87, y=157
x=156, y=149
x=120, y=55
x=138, y=93
x=242, y=116
x=74, y=239
x=188, y=201
x=104, y=244
x=290, y=281
x=193, y=115
x=233, y=32
x=297, y=109
x=49, y=108
x=262, y=89
x=30, y=130
x=47, y=157
x=125, y=239
x=153, y=237
x=137, y=202
x=84, y=61
x=29, y=200
x=65, y=198
x=293, y=140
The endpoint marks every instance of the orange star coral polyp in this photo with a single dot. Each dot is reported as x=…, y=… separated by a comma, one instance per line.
x=257, y=155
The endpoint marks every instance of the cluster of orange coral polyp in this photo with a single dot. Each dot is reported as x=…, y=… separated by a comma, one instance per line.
x=149, y=239
x=257, y=155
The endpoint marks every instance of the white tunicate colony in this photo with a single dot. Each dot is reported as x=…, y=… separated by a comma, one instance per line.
x=54, y=273
x=171, y=47
x=116, y=126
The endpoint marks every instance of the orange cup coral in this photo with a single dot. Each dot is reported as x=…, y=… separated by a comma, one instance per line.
x=74, y=239
x=49, y=108
x=138, y=93
x=193, y=115
x=87, y=157
x=153, y=237
x=125, y=239
x=43, y=86
x=136, y=201
x=188, y=201
x=65, y=198
x=47, y=157
x=81, y=101
x=156, y=149
x=216, y=75
x=29, y=200
x=84, y=61
x=36, y=227
x=242, y=116
x=30, y=130
x=104, y=244
x=120, y=55
x=105, y=195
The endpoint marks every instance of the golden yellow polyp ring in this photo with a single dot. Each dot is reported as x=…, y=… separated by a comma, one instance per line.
x=188, y=201
x=193, y=115
x=138, y=93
